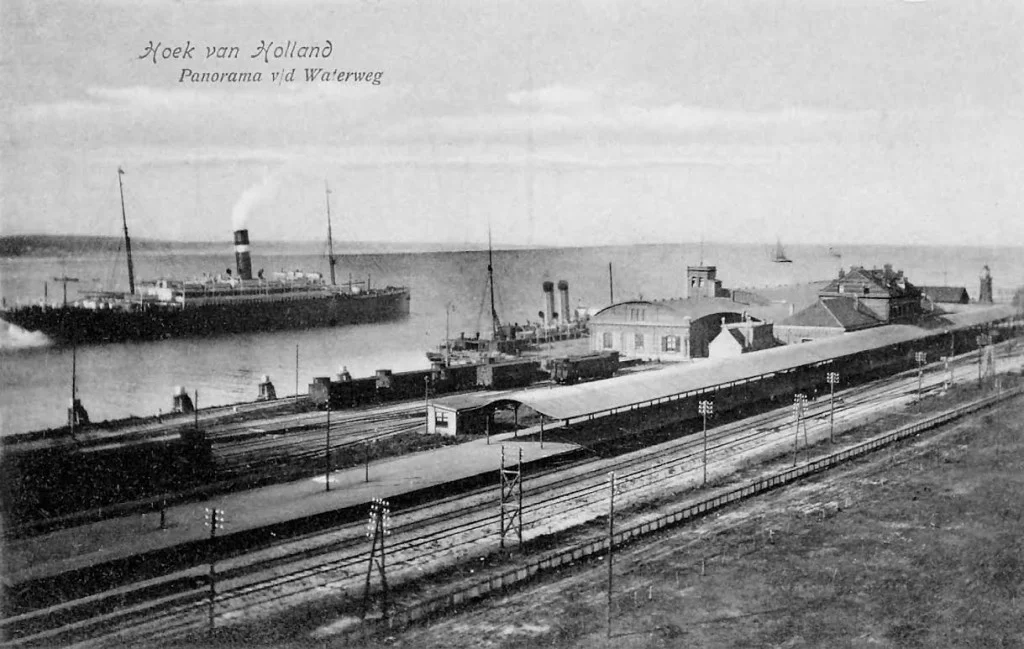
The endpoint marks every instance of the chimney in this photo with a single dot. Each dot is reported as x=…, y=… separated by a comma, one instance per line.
x=549, y=302
x=242, y=261
x=563, y=292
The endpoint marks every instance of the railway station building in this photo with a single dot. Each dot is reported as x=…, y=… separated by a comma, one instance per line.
x=859, y=299
x=683, y=328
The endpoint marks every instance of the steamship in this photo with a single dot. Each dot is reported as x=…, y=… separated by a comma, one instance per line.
x=229, y=303
x=510, y=340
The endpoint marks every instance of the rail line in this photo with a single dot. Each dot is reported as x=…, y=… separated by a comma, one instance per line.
x=177, y=602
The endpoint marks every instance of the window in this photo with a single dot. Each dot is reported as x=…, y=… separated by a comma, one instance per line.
x=670, y=344
x=638, y=341
x=440, y=419
x=606, y=340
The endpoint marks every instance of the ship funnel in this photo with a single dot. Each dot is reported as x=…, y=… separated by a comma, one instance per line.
x=242, y=261
x=549, y=302
x=563, y=293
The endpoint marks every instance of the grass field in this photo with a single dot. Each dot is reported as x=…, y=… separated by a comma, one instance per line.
x=922, y=546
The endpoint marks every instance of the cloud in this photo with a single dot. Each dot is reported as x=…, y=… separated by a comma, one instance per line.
x=565, y=111
x=554, y=98
x=247, y=99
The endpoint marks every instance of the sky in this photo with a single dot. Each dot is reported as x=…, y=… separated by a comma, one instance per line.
x=548, y=121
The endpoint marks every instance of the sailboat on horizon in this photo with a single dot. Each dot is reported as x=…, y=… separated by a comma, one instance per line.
x=778, y=256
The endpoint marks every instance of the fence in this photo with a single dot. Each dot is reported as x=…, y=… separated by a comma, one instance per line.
x=571, y=555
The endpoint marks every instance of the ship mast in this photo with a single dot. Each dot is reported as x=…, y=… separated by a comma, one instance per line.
x=330, y=237
x=490, y=279
x=127, y=239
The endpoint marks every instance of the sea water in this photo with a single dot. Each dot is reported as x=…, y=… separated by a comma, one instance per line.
x=118, y=380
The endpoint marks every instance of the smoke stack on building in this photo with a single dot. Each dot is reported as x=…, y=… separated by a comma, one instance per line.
x=563, y=293
x=242, y=261
x=549, y=303
x=985, y=293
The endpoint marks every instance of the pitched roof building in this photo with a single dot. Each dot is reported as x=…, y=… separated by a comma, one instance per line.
x=945, y=294
x=681, y=329
x=858, y=299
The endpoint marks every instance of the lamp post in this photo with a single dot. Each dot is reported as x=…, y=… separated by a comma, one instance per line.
x=798, y=408
x=921, y=359
x=833, y=379
x=706, y=409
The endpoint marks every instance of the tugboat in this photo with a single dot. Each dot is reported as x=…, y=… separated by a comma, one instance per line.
x=223, y=304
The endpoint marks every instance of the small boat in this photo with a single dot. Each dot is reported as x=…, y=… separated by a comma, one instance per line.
x=835, y=253
x=779, y=255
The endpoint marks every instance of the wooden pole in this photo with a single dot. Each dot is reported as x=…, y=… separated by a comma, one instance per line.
x=327, y=451
x=796, y=431
x=831, y=412
x=611, y=285
x=74, y=383
x=214, y=515
x=383, y=568
x=501, y=501
x=611, y=539
x=705, y=481
x=520, y=508
x=297, y=376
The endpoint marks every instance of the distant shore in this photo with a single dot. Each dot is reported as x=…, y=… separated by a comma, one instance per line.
x=56, y=245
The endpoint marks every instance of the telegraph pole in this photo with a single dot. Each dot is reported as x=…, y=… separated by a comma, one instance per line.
x=705, y=408
x=798, y=408
x=511, y=499
x=327, y=450
x=215, y=521
x=378, y=527
x=921, y=359
x=833, y=379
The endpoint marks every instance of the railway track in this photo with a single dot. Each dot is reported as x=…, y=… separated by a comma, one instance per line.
x=431, y=536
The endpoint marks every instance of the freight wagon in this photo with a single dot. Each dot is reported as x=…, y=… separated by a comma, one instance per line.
x=571, y=369
x=510, y=374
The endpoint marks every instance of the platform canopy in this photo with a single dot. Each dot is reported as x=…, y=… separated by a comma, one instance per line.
x=680, y=380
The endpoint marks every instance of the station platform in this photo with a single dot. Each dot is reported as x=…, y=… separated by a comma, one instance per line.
x=69, y=549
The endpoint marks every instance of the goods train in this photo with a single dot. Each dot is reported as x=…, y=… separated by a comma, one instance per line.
x=63, y=479
x=572, y=369
x=343, y=391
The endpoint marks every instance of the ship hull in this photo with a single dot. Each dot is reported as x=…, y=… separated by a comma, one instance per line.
x=155, y=322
